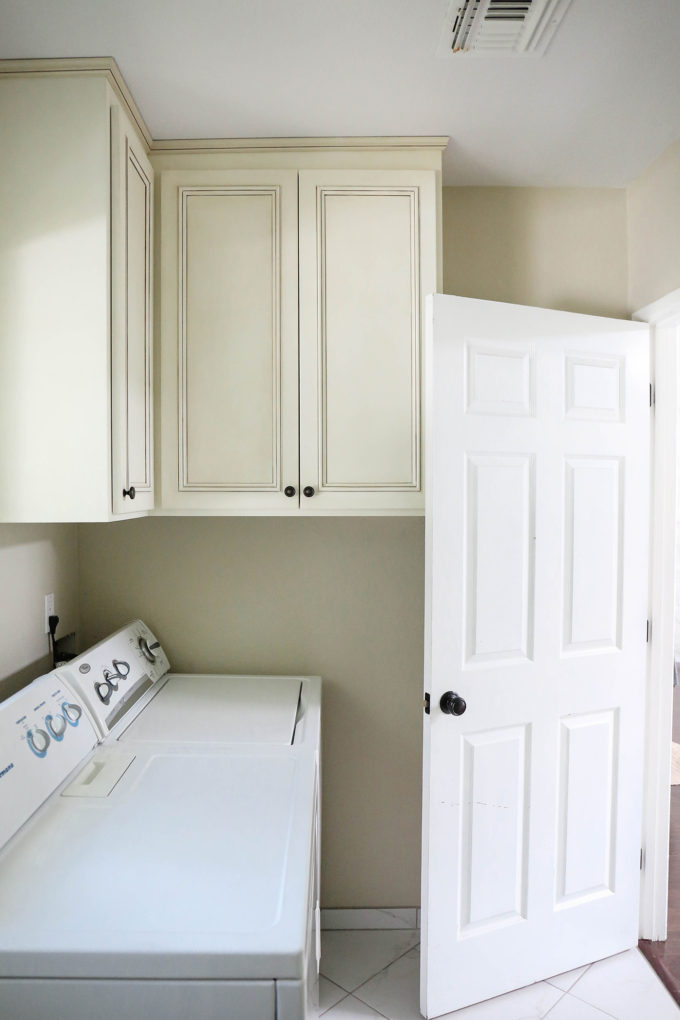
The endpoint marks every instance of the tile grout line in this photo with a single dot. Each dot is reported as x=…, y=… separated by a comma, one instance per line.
x=351, y=991
x=584, y=1001
x=342, y=997
x=556, y=1002
x=391, y=964
x=350, y=995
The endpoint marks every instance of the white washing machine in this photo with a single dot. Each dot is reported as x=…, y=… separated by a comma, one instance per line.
x=162, y=841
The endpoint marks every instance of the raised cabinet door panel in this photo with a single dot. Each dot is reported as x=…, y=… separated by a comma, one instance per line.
x=367, y=259
x=229, y=340
x=131, y=335
x=228, y=400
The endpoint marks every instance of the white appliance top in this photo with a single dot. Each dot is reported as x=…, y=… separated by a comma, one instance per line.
x=44, y=734
x=190, y=865
x=181, y=847
x=212, y=709
x=114, y=674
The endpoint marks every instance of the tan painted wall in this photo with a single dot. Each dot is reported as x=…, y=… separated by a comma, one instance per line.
x=341, y=597
x=35, y=559
x=344, y=597
x=654, y=230
x=552, y=247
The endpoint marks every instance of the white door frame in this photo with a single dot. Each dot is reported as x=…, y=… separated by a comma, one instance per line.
x=664, y=317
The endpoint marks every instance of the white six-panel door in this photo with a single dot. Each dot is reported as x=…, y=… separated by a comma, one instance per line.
x=538, y=441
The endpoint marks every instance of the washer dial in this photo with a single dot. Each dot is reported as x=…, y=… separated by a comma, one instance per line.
x=38, y=740
x=56, y=726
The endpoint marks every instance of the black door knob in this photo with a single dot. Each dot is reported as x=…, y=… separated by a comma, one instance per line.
x=289, y=490
x=452, y=703
x=308, y=491
x=129, y=492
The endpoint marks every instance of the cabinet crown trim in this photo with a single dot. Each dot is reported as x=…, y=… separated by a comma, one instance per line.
x=361, y=143
x=108, y=67
x=105, y=66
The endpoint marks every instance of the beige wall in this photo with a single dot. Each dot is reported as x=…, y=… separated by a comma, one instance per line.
x=341, y=597
x=35, y=559
x=553, y=247
x=654, y=230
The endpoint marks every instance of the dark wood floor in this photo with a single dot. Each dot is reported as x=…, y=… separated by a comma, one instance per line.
x=665, y=956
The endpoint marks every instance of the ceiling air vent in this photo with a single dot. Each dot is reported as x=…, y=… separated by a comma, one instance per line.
x=488, y=27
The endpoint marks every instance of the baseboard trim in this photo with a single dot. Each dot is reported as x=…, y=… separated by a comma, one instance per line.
x=354, y=918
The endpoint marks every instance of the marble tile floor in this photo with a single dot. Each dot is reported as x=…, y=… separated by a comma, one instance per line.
x=373, y=973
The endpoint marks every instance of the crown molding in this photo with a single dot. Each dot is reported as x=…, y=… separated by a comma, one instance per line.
x=86, y=66
x=362, y=143
x=107, y=66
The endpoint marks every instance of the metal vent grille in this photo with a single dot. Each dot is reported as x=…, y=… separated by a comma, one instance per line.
x=486, y=27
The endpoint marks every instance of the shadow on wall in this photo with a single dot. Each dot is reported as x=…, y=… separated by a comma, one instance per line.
x=35, y=560
x=9, y=685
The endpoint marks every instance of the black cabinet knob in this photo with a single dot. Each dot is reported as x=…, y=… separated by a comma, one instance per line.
x=289, y=490
x=130, y=492
x=452, y=704
x=308, y=491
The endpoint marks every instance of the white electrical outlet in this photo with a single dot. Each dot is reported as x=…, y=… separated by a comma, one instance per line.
x=49, y=610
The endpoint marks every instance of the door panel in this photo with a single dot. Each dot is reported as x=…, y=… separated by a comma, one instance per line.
x=586, y=806
x=363, y=270
x=229, y=340
x=131, y=311
x=536, y=537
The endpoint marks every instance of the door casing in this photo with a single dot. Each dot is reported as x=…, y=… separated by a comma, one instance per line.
x=664, y=317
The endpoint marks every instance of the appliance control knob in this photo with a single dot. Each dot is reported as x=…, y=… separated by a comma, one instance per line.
x=104, y=689
x=147, y=650
x=56, y=725
x=38, y=741
x=72, y=713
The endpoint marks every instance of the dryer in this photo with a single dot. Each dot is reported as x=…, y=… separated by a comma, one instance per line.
x=175, y=873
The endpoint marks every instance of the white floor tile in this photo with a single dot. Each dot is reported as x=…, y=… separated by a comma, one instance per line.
x=351, y=1009
x=357, y=918
x=569, y=1008
x=626, y=987
x=329, y=994
x=394, y=992
x=351, y=957
x=567, y=980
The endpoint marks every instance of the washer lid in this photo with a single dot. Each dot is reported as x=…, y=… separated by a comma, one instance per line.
x=194, y=866
x=211, y=709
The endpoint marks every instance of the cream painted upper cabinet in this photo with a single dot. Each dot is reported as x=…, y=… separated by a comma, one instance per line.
x=252, y=420
x=75, y=294
x=367, y=259
x=229, y=346
x=131, y=338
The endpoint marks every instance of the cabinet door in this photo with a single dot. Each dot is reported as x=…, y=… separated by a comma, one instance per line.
x=229, y=341
x=367, y=259
x=131, y=337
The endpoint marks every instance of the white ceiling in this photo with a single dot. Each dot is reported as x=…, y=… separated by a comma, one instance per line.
x=595, y=110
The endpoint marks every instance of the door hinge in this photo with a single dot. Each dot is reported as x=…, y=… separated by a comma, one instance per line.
x=426, y=703
x=652, y=395
x=642, y=859
x=649, y=630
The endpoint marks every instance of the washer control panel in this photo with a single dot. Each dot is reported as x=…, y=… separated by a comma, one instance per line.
x=113, y=675
x=45, y=733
